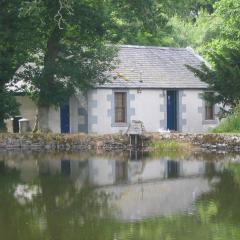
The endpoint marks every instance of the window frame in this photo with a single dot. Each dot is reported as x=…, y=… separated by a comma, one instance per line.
x=209, y=111
x=124, y=107
x=212, y=120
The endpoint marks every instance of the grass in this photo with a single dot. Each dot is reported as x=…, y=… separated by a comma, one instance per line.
x=169, y=145
x=229, y=125
x=170, y=148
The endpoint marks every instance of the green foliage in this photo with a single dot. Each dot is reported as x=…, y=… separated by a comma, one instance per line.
x=231, y=124
x=223, y=77
x=228, y=33
x=68, y=42
x=186, y=8
x=15, y=32
x=72, y=51
x=138, y=22
x=71, y=54
x=222, y=51
x=8, y=107
x=186, y=33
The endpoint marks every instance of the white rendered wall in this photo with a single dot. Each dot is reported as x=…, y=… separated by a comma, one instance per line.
x=193, y=118
x=194, y=115
x=54, y=119
x=27, y=109
x=73, y=114
x=145, y=104
x=98, y=106
x=149, y=106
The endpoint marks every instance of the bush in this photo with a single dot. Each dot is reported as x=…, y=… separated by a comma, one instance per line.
x=231, y=124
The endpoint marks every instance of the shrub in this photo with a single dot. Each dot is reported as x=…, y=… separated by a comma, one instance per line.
x=231, y=124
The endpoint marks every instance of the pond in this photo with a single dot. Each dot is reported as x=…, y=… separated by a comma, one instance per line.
x=119, y=196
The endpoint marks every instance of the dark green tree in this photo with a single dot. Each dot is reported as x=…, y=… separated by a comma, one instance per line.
x=73, y=51
x=11, y=53
x=223, y=78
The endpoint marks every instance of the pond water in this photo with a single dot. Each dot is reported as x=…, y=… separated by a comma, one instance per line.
x=119, y=196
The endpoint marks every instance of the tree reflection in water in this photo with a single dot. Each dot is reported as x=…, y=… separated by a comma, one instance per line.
x=58, y=203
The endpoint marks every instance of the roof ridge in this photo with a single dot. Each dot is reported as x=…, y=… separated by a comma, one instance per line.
x=151, y=47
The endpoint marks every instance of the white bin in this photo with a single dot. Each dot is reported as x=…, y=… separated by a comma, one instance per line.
x=24, y=125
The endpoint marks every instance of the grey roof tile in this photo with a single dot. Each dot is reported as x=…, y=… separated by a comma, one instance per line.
x=155, y=67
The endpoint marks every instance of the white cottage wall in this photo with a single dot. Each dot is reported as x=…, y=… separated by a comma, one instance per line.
x=94, y=113
x=143, y=106
x=148, y=106
x=54, y=119
x=27, y=109
x=194, y=114
x=73, y=113
x=98, y=105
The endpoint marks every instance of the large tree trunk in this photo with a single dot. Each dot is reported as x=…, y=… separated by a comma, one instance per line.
x=42, y=120
x=47, y=82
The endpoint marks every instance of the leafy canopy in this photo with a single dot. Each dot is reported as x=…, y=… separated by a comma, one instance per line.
x=73, y=50
x=224, y=77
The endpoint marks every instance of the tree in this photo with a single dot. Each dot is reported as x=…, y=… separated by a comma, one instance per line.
x=11, y=53
x=139, y=22
x=186, y=33
x=228, y=13
x=223, y=78
x=8, y=107
x=73, y=51
x=187, y=9
x=223, y=53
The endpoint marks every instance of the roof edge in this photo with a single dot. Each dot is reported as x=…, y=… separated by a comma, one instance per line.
x=191, y=50
x=151, y=88
x=156, y=47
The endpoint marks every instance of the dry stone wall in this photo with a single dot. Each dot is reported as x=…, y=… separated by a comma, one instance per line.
x=81, y=142
x=66, y=142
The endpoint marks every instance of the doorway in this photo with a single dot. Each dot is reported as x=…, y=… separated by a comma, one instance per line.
x=172, y=110
x=16, y=124
x=65, y=119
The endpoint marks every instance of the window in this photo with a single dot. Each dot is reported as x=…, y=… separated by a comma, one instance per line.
x=209, y=108
x=120, y=107
x=209, y=111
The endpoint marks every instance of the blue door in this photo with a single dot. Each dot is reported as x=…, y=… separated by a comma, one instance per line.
x=172, y=110
x=65, y=121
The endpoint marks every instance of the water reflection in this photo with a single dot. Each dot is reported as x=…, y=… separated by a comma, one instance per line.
x=107, y=170
x=64, y=196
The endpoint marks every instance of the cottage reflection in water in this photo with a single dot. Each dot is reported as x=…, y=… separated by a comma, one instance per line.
x=137, y=188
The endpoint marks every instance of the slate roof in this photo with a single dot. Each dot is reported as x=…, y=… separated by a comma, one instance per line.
x=155, y=67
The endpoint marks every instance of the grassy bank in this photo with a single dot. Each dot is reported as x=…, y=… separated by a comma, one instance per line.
x=170, y=146
x=231, y=124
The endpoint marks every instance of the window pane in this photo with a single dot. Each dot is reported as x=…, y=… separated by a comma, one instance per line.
x=209, y=114
x=209, y=107
x=120, y=107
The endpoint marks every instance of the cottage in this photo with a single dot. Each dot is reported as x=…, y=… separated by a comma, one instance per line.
x=150, y=84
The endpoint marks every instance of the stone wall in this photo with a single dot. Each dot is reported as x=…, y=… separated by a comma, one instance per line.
x=80, y=142
x=66, y=142
x=213, y=142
